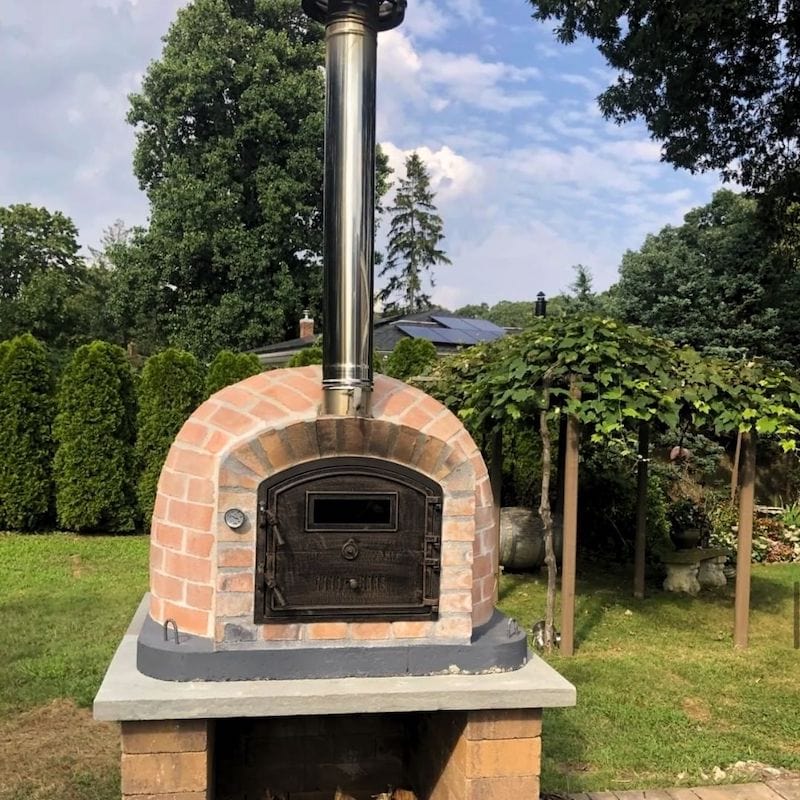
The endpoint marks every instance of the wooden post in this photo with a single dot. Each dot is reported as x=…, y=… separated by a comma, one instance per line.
x=735, y=467
x=562, y=453
x=744, y=554
x=641, y=511
x=570, y=533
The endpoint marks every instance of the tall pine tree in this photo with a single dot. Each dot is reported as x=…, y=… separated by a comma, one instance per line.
x=414, y=237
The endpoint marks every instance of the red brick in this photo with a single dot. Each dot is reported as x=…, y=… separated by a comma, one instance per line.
x=170, y=536
x=201, y=490
x=205, y=410
x=236, y=582
x=482, y=612
x=173, y=484
x=192, y=462
x=485, y=517
x=237, y=396
x=156, y=608
x=456, y=578
x=370, y=630
x=162, y=773
x=459, y=529
x=416, y=417
x=255, y=462
x=192, y=515
x=165, y=736
x=218, y=441
x=306, y=386
x=199, y=596
x=167, y=586
x=463, y=506
x=326, y=630
x=234, y=604
x=268, y=412
x=482, y=565
x=460, y=479
x=227, y=419
x=290, y=399
x=199, y=544
x=483, y=489
x=454, y=627
x=274, y=633
x=160, y=508
x=456, y=554
x=444, y=426
x=193, y=569
x=301, y=441
x=234, y=475
x=236, y=557
x=397, y=404
x=193, y=433
x=455, y=602
x=430, y=453
x=156, y=555
x=272, y=444
x=189, y=620
x=412, y=630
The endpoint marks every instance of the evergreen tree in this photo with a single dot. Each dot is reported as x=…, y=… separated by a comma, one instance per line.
x=170, y=388
x=26, y=445
x=410, y=358
x=229, y=127
x=228, y=368
x=95, y=431
x=414, y=237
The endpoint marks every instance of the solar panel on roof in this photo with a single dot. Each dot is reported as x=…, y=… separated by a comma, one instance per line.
x=462, y=323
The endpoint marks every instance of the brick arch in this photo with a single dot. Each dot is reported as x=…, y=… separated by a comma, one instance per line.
x=202, y=573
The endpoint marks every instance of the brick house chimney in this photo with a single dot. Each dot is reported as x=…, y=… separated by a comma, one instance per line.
x=306, y=326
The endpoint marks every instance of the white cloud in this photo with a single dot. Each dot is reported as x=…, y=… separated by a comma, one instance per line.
x=452, y=175
x=425, y=20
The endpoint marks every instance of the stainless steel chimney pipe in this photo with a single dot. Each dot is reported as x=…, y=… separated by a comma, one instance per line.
x=351, y=32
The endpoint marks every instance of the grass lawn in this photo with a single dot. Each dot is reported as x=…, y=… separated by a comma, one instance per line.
x=660, y=690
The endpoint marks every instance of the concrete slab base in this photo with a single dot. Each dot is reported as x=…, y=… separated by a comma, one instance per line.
x=127, y=695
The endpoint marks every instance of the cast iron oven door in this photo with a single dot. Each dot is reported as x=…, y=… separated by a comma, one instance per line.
x=348, y=538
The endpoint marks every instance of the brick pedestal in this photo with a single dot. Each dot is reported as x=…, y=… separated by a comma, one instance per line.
x=167, y=760
x=480, y=755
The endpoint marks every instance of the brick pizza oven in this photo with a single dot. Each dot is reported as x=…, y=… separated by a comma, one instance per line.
x=324, y=558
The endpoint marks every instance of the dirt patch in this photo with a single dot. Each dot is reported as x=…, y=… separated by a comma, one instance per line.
x=696, y=709
x=44, y=751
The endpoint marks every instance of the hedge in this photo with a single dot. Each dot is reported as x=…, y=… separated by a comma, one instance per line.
x=95, y=431
x=410, y=358
x=26, y=444
x=170, y=388
x=229, y=368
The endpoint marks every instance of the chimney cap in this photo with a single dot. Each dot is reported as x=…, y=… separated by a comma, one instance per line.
x=387, y=14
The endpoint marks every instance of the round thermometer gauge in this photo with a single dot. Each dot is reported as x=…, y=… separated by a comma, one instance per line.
x=234, y=518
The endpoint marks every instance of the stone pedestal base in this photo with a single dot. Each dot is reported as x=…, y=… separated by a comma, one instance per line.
x=480, y=755
x=712, y=573
x=167, y=760
x=682, y=578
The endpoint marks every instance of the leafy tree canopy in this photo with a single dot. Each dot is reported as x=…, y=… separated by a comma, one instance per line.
x=410, y=358
x=714, y=283
x=229, y=126
x=716, y=83
x=46, y=288
x=414, y=237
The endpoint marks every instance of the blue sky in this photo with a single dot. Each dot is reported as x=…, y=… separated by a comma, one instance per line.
x=529, y=178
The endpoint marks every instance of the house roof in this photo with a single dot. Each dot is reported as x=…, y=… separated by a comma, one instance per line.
x=444, y=329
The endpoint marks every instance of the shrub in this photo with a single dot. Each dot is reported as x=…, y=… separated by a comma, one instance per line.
x=170, y=388
x=228, y=368
x=307, y=356
x=95, y=430
x=26, y=443
x=410, y=357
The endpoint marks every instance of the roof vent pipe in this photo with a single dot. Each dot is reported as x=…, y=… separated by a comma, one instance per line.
x=351, y=34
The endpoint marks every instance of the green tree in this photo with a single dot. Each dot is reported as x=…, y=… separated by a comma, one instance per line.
x=410, y=357
x=228, y=368
x=716, y=83
x=27, y=407
x=713, y=283
x=170, y=388
x=95, y=431
x=414, y=238
x=229, y=127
